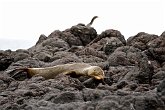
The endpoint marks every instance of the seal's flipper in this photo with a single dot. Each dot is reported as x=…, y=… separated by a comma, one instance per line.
x=72, y=74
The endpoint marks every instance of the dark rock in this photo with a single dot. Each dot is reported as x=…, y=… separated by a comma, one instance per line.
x=5, y=63
x=121, y=84
x=44, y=56
x=157, y=48
x=134, y=73
x=5, y=60
x=75, y=48
x=85, y=34
x=133, y=86
x=92, y=83
x=63, y=57
x=159, y=75
x=55, y=34
x=126, y=55
x=119, y=72
x=21, y=56
x=146, y=71
x=94, y=94
x=51, y=45
x=41, y=39
x=161, y=88
x=63, y=54
x=141, y=40
x=29, y=62
x=110, y=33
x=106, y=105
x=66, y=97
x=111, y=45
x=55, y=42
x=90, y=51
x=122, y=92
x=71, y=39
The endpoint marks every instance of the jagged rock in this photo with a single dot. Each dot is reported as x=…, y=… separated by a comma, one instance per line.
x=90, y=51
x=161, y=88
x=121, y=84
x=118, y=73
x=110, y=33
x=112, y=44
x=71, y=39
x=93, y=95
x=63, y=57
x=54, y=34
x=134, y=73
x=141, y=40
x=126, y=55
x=85, y=34
x=66, y=97
x=41, y=39
x=20, y=56
x=157, y=48
x=44, y=56
x=105, y=105
x=5, y=59
x=160, y=75
x=5, y=63
x=51, y=45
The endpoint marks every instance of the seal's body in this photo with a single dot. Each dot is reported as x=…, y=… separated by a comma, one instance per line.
x=80, y=69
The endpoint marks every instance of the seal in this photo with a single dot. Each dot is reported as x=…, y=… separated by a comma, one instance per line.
x=79, y=69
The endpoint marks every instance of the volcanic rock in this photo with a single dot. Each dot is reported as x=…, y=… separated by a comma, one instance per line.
x=134, y=72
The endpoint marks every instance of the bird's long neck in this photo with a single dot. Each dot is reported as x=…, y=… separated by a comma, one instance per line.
x=88, y=25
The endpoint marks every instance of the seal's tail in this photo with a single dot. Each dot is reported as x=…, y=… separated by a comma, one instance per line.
x=17, y=72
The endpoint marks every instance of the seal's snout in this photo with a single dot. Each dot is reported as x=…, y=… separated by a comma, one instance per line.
x=99, y=77
x=96, y=72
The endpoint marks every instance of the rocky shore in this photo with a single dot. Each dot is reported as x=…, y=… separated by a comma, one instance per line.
x=134, y=72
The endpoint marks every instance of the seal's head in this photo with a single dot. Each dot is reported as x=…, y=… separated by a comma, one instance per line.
x=96, y=72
